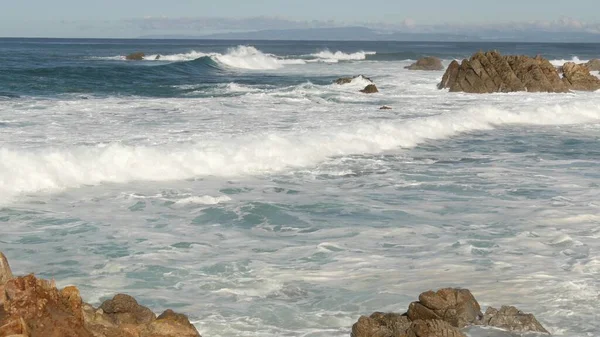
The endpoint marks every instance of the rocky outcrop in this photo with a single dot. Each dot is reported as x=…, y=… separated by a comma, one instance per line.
x=593, y=65
x=578, y=77
x=370, y=89
x=346, y=80
x=385, y=107
x=135, y=56
x=443, y=313
x=32, y=307
x=455, y=306
x=512, y=319
x=491, y=72
x=426, y=63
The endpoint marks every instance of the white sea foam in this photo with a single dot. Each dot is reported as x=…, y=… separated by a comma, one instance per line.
x=25, y=171
x=332, y=57
x=203, y=200
x=192, y=55
x=559, y=63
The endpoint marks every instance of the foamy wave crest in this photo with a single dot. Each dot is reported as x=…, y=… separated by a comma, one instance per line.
x=203, y=200
x=192, y=55
x=248, y=57
x=27, y=171
x=558, y=63
x=328, y=56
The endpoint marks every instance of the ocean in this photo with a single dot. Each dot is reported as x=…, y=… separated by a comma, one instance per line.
x=234, y=182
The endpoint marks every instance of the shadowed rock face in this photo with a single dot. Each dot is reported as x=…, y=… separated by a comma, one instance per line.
x=578, y=77
x=370, y=89
x=512, y=319
x=346, y=80
x=593, y=65
x=442, y=314
x=32, y=307
x=491, y=72
x=426, y=63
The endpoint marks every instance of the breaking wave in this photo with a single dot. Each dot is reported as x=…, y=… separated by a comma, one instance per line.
x=27, y=171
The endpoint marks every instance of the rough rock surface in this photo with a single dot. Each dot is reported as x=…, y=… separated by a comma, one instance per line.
x=426, y=63
x=491, y=72
x=370, y=89
x=455, y=306
x=385, y=107
x=594, y=65
x=512, y=319
x=5, y=272
x=346, y=80
x=442, y=314
x=135, y=56
x=578, y=77
x=32, y=307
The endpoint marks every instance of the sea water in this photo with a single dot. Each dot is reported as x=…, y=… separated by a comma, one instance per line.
x=234, y=182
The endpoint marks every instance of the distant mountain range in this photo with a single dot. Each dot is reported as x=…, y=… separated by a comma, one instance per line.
x=367, y=34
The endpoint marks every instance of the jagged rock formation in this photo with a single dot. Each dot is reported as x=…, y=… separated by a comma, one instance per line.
x=593, y=65
x=426, y=63
x=385, y=107
x=443, y=313
x=135, y=56
x=370, y=89
x=491, y=72
x=346, y=80
x=32, y=307
x=578, y=77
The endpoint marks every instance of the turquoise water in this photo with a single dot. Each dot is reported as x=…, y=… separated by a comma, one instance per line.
x=232, y=181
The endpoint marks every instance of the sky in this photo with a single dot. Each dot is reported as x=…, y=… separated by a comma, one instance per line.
x=131, y=18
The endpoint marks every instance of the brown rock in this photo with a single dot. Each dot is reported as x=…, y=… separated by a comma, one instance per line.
x=511, y=319
x=33, y=307
x=381, y=325
x=5, y=272
x=433, y=328
x=124, y=309
x=135, y=56
x=455, y=306
x=170, y=323
x=578, y=77
x=40, y=305
x=426, y=63
x=370, y=89
x=593, y=65
x=491, y=72
x=385, y=107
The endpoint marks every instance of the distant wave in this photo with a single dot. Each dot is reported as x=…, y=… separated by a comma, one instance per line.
x=240, y=57
x=27, y=171
x=328, y=56
x=559, y=63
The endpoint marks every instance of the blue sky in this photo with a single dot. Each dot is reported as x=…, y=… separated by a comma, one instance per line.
x=130, y=18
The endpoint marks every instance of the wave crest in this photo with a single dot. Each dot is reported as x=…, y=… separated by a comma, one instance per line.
x=27, y=171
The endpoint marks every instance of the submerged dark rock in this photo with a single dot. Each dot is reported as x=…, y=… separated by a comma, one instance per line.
x=426, y=63
x=346, y=80
x=135, y=56
x=370, y=89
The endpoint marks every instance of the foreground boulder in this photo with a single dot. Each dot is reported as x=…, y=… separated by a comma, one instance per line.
x=491, y=72
x=135, y=57
x=32, y=307
x=370, y=89
x=346, y=80
x=443, y=314
x=578, y=77
x=426, y=63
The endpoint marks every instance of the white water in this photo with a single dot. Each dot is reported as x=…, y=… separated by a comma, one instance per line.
x=294, y=209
